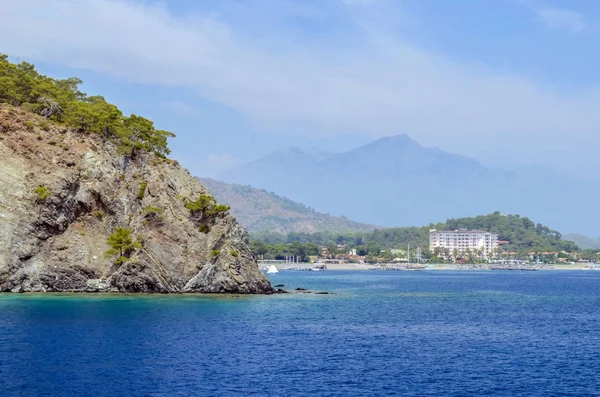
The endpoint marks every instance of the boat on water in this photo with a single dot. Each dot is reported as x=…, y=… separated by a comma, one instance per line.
x=272, y=270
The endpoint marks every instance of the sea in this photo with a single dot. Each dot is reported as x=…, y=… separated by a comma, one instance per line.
x=377, y=333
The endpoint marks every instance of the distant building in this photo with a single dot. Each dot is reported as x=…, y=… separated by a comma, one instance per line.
x=463, y=240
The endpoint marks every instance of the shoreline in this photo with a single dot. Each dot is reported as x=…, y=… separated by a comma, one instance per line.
x=446, y=267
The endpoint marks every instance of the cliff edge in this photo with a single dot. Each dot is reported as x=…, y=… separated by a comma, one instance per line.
x=64, y=193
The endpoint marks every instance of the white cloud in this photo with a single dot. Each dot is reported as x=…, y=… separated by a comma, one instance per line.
x=385, y=88
x=557, y=18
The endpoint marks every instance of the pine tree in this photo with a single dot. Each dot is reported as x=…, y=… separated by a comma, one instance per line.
x=121, y=243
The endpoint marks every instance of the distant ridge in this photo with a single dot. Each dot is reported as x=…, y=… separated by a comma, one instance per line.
x=584, y=242
x=258, y=210
x=394, y=181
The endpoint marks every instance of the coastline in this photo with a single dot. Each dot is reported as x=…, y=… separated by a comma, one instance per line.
x=445, y=267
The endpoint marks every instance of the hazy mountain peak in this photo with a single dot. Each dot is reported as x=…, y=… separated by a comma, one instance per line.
x=394, y=142
x=400, y=139
x=395, y=181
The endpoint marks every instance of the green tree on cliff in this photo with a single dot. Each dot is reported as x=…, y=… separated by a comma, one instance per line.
x=121, y=244
x=139, y=134
x=62, y=102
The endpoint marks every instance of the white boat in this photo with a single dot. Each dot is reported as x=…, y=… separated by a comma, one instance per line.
x=272, y=270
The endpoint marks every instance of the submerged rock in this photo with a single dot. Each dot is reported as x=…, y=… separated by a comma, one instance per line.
x=58, y=243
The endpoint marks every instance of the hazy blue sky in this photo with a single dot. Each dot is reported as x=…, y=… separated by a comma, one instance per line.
x=508, y=82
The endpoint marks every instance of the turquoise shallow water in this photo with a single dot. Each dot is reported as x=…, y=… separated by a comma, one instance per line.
x=380, y=333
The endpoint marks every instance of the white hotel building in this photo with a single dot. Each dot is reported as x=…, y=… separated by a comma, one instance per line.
x=463, y=240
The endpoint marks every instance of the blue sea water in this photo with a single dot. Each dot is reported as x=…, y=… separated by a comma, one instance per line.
x=379, y=333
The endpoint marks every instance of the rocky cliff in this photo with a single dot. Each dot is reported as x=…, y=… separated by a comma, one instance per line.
x=62, y=194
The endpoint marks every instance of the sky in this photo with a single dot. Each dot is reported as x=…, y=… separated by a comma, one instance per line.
x=510, y=83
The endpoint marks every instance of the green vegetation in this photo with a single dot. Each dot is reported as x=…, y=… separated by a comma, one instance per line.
x=121, y=245
x=217, y=209
x=234, y=253
x=62, y=102
x=215, y=253
x=142, y=190
x=152, y=210
x=205, y=205
x=98, y=214
x=259, y=210
x=42, y=192
x=204, y=229
x=247, y=191
x=153, y=215
x=520, y=234
x=201, y=204
x=280, y=250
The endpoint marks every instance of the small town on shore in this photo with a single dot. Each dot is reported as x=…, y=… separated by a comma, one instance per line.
x=448, y=250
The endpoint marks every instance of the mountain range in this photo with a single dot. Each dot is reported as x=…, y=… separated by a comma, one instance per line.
x=258, y=210
x=394, y=181
x=582, y=241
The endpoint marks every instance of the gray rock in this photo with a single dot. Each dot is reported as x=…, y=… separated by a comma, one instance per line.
x=58, y=244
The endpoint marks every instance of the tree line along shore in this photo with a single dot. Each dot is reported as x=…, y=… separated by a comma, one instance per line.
x=520, y=239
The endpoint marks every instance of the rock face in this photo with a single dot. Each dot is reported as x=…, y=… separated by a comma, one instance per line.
x=58, y=243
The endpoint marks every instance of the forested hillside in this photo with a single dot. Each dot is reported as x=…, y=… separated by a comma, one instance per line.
x=258, y=210
x=520, y=234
